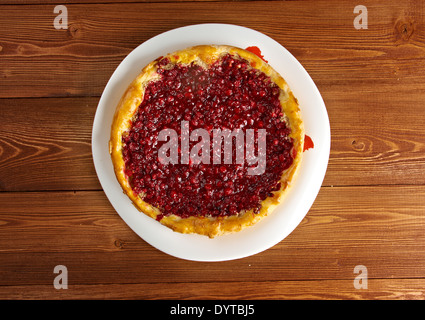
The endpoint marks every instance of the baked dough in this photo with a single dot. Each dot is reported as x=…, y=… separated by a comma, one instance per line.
x=205, y=56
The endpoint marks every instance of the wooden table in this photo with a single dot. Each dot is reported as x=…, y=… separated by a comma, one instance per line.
x=369, y=211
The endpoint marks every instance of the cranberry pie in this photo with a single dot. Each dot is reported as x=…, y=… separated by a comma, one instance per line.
x=207, y=140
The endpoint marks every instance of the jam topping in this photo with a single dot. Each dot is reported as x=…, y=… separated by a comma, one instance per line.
x=230, y=94
x=257, y=51
x=308, y=143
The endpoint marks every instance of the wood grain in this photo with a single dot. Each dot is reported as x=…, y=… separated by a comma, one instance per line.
x=369, y=211
x=379, y=227
x=367, y=148
x=376, y=139
x=103, y=1
x=45, y=144
x=378, y=289
x=81, y=59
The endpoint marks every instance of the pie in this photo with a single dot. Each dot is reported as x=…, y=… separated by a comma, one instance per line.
x=207, y=140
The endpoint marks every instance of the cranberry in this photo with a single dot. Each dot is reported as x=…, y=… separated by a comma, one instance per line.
x=230, y=94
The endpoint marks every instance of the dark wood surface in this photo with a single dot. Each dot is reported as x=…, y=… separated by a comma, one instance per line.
x=370, y=210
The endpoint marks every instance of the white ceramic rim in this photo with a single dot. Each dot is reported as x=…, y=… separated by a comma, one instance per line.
x=286, y=217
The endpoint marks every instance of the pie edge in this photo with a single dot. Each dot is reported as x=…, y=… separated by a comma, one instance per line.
x=209, y=226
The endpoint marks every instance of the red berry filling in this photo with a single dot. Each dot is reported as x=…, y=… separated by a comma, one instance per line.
x=230, y=94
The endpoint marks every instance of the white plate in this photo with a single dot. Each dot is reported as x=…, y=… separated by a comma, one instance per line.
x=301, y=196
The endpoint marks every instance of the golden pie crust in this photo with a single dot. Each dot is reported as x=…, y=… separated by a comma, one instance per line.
x=205, y=55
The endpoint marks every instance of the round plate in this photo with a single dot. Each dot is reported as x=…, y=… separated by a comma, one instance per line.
x=300, y=197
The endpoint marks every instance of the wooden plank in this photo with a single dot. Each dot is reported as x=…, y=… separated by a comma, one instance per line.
x=369, y=212
x=367, y=148
x=375, y=139
x=21, y=2
x=45, y=144
x=378, y=289
x=379, y=227
x=40, y=61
